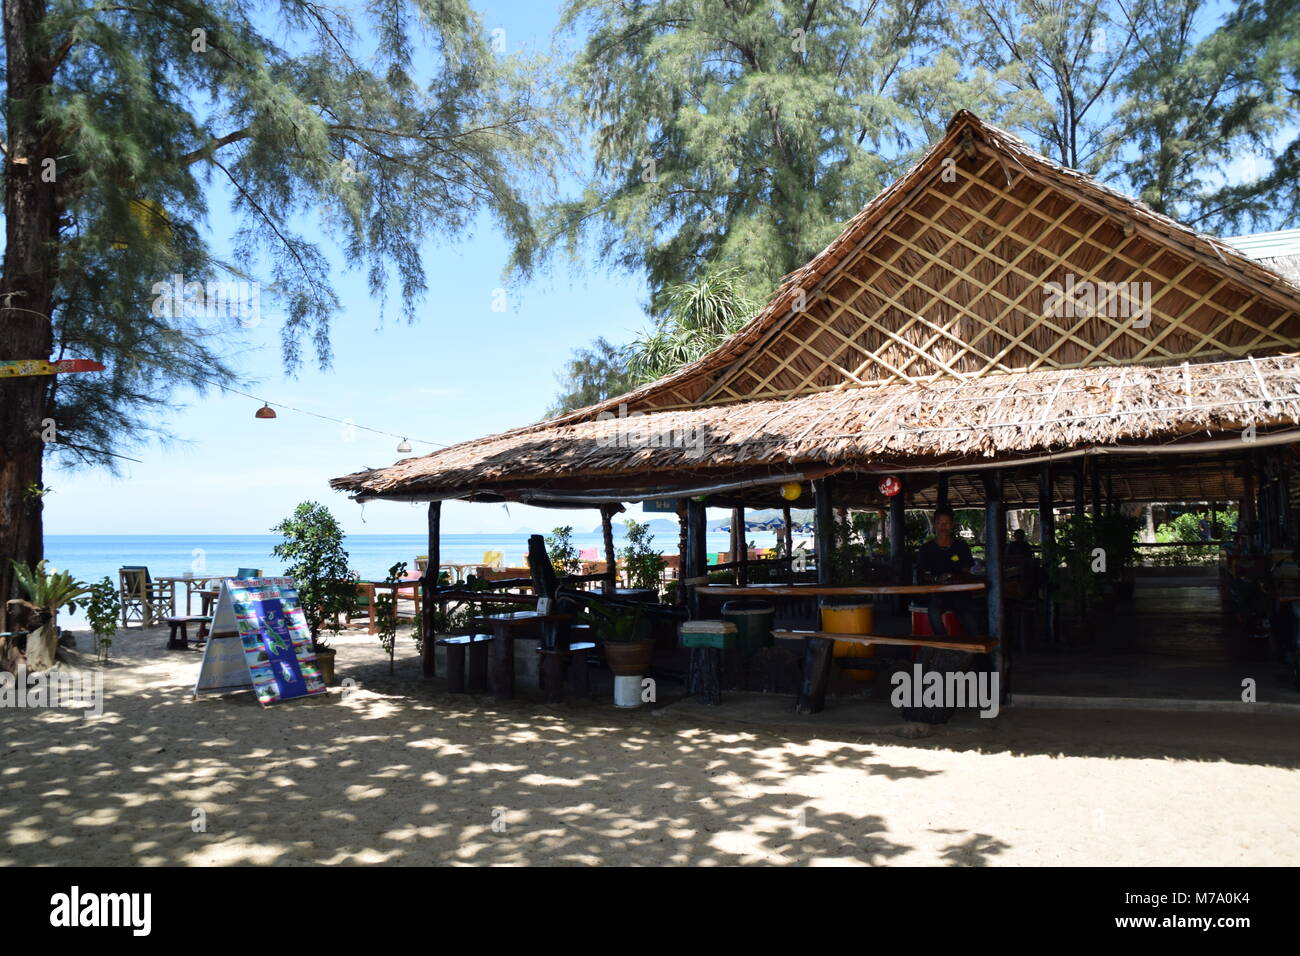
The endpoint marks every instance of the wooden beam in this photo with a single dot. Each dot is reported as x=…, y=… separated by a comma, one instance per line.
x=787, y=532
x=1047, y=542
x=607, y=513
x=428, y=664
x=705, y=661
x=995, y=533
x=817, y=653
x=898, y=535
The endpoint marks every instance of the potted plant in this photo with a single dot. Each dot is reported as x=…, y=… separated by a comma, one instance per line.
x=316, y=560
x=102, y=611
x=48, y=592
x=625, y=634
x=1116, y=536
x=644, y=565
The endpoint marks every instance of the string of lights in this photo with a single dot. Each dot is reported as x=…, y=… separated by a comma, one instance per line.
x=267, y=406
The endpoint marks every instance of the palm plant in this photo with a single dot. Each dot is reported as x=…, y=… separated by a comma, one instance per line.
x=47, y=593
x=698, y=316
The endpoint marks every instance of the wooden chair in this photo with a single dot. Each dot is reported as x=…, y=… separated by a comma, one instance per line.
x=143, y=599
x=362, y=607
x=421, y=562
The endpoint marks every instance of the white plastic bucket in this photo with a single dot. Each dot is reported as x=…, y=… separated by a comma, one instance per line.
x=627, y=691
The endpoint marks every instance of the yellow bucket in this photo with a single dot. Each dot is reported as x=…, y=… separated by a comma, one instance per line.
x=851, y=619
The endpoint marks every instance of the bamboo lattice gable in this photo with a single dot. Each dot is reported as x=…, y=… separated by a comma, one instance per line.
x=920, y=335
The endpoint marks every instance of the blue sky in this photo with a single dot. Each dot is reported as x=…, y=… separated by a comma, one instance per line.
x=460, y=372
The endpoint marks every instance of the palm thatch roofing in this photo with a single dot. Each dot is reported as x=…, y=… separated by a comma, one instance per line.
x=991, y=306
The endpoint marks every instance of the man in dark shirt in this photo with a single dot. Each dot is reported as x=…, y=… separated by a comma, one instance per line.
x=946, y=559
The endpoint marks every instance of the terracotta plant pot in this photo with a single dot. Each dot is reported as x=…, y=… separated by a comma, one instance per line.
x=629, y=658
x=325, y=658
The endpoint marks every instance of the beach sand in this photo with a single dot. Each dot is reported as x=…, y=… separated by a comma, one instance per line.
x=400, y=772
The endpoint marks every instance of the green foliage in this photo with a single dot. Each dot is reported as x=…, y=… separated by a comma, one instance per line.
x=741, y=135
x=318, y=563
x=1205, y=99
x=592, y=375
x=699, y=316
x=618, y=624
x=854, y=546
x=104, y=607
x=1184, y=528
x=386, y=621
x=102, y=611
x=379, y=125
x=1090, y=550
x=564, y=554
x=1070, y=567
x=48, y=591
x=644, y=565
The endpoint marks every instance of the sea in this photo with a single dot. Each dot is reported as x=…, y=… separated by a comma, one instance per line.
x=92, y=557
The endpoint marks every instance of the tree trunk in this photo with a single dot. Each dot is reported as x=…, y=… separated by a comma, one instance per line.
x=26, y=289
x=42, y=647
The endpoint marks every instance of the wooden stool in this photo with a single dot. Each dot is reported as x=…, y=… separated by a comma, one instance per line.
x=575, y=658
x=179, y=623
x=456, y=656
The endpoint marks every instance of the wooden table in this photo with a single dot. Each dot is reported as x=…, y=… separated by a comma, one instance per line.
x=397, y=588
x=458, y=570
x=819, y=645
x=505, y=628
x=192, y=582
x=820, y=590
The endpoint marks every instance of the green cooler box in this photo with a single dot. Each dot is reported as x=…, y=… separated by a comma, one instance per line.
x=753, y=620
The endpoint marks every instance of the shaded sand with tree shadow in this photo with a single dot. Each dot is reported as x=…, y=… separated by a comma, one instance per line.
x=401, y=772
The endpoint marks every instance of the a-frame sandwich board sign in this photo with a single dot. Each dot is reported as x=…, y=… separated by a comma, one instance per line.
x=259, y=639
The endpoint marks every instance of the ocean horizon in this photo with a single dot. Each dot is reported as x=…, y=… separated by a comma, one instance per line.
x=90, y=557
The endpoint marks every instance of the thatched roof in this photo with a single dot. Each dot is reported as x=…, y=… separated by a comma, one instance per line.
x=892, y=428
x=921, y=338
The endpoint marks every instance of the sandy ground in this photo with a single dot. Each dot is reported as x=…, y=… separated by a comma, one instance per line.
x=400, y=772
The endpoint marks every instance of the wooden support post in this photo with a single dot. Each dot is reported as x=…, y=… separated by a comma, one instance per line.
x=682, y=550
x=428, y=664
x=705, y=662
x=503, y=661
x=898, y=537
x=555, y=634
x=1080, y=508
x=1094, y=471
x=607, y=513
x=455, y=668
x=817, y=656
x=788, y=535
x=941, y=492
x=476, y=678
x=739, y=545
x=994, y=535
x=1047, y=543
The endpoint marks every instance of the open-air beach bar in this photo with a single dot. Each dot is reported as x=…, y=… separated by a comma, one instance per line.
x=993, y=334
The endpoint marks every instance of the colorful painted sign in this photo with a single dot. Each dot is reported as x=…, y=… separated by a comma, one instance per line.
x=259, y=638
x=16, y=368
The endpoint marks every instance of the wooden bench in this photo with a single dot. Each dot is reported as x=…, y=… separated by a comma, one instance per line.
x=576, y=655
x=178, y=623
x=457, y=682
x=974, y=647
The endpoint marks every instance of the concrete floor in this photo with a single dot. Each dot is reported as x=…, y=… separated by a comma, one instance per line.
x=1173, y=642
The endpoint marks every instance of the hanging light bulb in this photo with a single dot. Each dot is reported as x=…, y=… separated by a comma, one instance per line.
x=266, y=411
x=404, y=445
